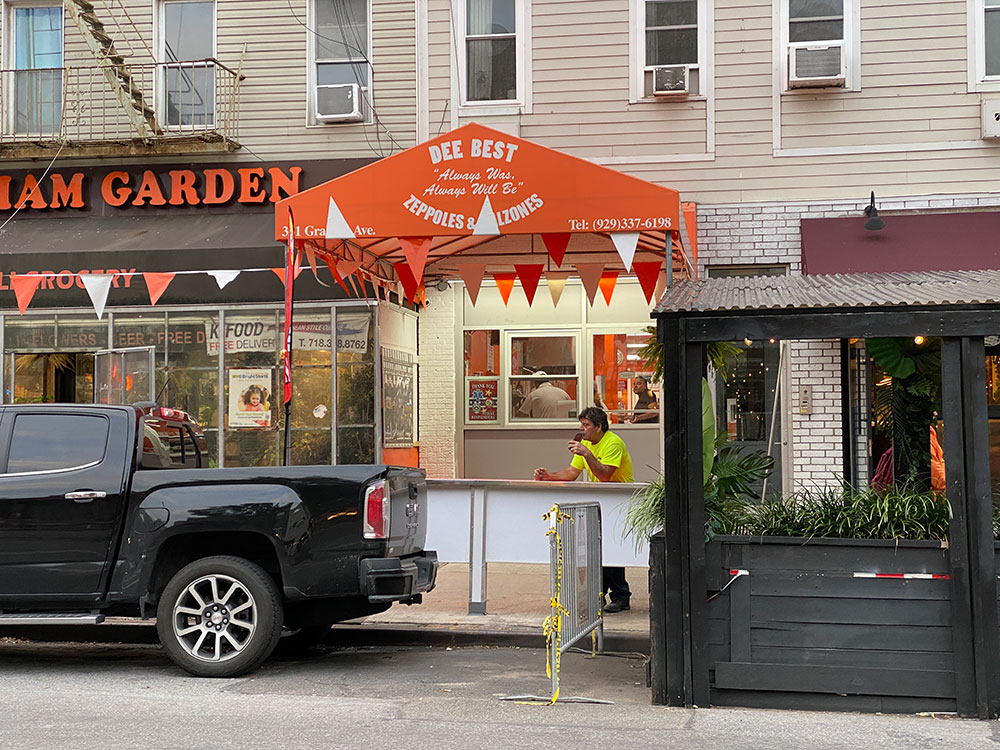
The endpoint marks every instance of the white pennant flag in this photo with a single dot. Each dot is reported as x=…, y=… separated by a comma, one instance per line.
x=625, y=243
x=486, y=224
x=222, y=278
x=337, y=227
x=97, y=286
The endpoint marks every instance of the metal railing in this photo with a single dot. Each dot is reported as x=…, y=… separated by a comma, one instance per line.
x=77, y=104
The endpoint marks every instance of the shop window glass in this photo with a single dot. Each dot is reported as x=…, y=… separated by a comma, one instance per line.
x=617, y=366
x=192, y=373
x=33, y=333
x=355, y=387
x=993, y=410
x=481, y=367
x=311, y=388
x=252, y=387
x=53, y=358
x=543, y=383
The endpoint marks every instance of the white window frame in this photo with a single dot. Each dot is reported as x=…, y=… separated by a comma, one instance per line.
x=160, y=79
x=368, y=93
x=507, y=335
x=637, y=34
x=460, y=90
x=851, y=42
x=9, y=40
x=976, y=45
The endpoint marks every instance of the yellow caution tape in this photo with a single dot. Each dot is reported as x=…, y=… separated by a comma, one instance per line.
x=552, y=626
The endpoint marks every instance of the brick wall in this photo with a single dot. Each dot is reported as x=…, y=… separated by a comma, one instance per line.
x=817, y=437
x=437, y=399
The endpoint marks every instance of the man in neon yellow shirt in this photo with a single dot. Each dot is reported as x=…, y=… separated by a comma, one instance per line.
x=605, y=457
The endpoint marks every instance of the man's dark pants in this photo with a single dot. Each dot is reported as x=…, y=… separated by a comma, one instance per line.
x=615, y=583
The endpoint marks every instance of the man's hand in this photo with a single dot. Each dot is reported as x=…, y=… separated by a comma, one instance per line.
x=579, y=449
x=542, y=475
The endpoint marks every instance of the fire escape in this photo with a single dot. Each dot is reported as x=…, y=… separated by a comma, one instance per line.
x=112, y=97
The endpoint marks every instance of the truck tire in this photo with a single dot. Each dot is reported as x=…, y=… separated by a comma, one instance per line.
x=219, y=617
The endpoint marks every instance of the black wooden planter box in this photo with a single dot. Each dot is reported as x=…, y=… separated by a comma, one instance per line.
x=805, y=628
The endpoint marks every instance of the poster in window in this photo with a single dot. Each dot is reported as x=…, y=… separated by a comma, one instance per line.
x=250, y=398
x=397, y=398
x=482, y=401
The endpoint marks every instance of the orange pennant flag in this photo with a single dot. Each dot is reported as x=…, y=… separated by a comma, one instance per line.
x=607, y=284
x=647, y=271
x=472, y=274
x=24, y=287
x=415, y=249
x=347, y=269
x=556, y=244
x=331, y=263
x=156, y=285
x=505, y=283
x=280, y=272
x=590, y=275
x=310, y=252
x=406, y=279
x=529, y=275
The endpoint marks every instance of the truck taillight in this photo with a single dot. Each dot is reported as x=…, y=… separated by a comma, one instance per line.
x=377, y=510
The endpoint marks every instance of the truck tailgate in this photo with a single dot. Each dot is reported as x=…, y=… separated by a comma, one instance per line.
x=408, y=511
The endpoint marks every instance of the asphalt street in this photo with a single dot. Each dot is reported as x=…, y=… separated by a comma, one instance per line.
x=90, y=696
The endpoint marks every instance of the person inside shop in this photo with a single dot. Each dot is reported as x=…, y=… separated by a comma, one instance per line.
x=645, y=402
x=605, y=457
x=546, y=401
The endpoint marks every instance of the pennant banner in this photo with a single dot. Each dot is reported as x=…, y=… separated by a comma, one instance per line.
x=556, y=281
x=529, y=274
x=505, y=284
x=337, y=227
x=607, y=284
x=406, y=279
x=156, y=285
x=625, y=244
x=310, y=252
x=486, y=224
x=97, y=286
x=472, y=274
x=556, y=245
x=24, y=286
x=647, y=271
x=590, y=275
x=415, y=249
x=223, y=278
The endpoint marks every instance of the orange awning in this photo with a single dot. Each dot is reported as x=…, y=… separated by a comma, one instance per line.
x=481, y=195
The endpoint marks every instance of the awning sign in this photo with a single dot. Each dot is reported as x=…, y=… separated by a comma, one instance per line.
x=478, y=181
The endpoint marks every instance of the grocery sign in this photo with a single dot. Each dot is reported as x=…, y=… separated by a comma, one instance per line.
x=477, y=181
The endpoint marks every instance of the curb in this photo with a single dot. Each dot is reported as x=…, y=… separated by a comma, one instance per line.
x=343, y=636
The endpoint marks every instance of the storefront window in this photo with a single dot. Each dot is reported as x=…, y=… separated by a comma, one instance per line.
x=543, y=378
x=252, y=387
x=481, y=363
x=192, y=373
x=311, y=388
x=993, y=409
x=51, y=358
x=355, y=387
x=131, y=330
x=623, y=382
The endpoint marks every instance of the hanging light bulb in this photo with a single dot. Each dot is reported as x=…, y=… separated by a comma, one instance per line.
x=919, y=340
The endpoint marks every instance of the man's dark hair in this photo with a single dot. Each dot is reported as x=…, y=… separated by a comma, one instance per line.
x=643, y=378
x=595, y=415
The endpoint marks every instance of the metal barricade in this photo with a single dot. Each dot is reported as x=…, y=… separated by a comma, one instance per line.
x=575, y=554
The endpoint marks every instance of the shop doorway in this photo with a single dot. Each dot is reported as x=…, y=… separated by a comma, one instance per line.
x=125, y=376
x=51, y=377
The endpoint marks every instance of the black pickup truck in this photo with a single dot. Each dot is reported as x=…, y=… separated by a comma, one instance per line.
x=107, y=510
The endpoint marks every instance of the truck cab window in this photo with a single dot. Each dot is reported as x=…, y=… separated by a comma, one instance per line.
x=50, y=442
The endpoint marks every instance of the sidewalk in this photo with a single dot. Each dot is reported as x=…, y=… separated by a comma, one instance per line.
x=517, y=602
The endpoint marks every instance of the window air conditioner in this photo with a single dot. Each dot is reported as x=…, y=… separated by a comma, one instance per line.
x=670, y=80
x=816, y=65
x=340, y=103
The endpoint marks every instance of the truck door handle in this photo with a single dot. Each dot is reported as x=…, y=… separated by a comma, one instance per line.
x=85, y=496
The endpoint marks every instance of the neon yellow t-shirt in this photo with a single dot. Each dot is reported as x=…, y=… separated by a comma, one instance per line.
x=610, y=450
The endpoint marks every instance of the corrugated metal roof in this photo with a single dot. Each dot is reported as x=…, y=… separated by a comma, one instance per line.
x=867, y=290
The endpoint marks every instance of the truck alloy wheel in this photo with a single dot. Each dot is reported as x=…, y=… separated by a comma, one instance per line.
x=219, y=617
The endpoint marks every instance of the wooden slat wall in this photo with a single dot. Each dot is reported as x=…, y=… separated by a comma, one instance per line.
x=800, y=622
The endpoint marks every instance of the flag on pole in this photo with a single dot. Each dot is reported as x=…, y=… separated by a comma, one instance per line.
x=289, y=283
